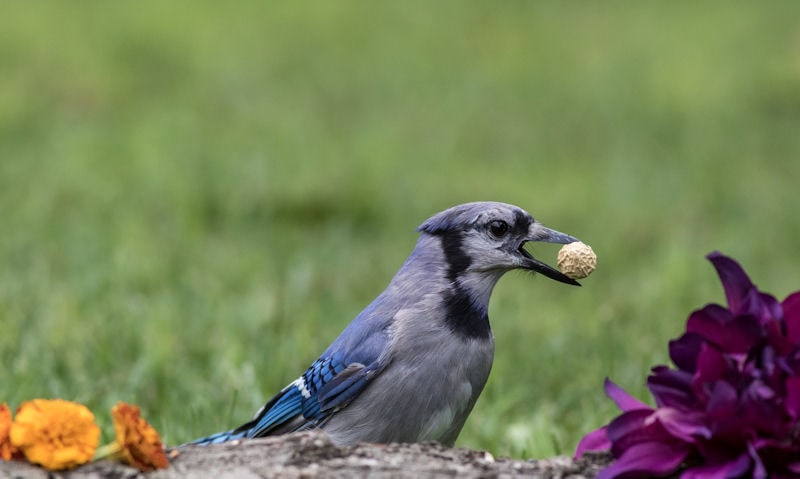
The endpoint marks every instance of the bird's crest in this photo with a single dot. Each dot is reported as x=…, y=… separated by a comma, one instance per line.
x=465, y=215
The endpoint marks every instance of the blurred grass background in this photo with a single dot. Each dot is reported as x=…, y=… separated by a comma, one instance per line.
x=196, y=199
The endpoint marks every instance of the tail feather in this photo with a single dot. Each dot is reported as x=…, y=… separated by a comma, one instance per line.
x=219, y=438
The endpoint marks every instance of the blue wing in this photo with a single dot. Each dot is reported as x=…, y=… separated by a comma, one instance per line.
x=335, y=379
x=327, y=386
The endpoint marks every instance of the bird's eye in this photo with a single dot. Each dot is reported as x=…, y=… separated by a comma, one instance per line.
x=498, y=228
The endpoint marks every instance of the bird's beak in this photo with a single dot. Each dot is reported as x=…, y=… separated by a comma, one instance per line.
x=538, y=232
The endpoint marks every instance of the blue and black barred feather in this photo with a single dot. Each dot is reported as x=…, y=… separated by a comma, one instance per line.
x=325, y=387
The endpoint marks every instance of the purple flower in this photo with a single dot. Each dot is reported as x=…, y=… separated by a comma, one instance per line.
x=730, y=407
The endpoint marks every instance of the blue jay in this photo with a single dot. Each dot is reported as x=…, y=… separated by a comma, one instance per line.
x=410, y=366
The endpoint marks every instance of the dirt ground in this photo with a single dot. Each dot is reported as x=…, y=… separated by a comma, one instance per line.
x=309, y=455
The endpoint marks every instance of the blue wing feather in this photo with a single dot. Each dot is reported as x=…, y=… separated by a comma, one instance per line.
x=325, y=387
x=332, y=381
x=287, y=407
x=344, y=387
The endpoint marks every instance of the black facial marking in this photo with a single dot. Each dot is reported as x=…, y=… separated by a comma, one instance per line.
x=457, y=259
x=464, y=318
x=522, y=223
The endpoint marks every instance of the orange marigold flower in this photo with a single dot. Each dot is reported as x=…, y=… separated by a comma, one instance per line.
x=7, y=450
x=139, y=442
x=55, y=434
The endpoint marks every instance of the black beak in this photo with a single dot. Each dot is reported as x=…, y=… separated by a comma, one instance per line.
x=546, y=235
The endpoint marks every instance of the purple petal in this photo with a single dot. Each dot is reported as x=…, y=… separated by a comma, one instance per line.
x=723, y=414
x=719, y=451
x=646, y=460
x=776, y=337
x=769, y=363
x=770, y=307
x=792, y=400
x=734, y=468
x=742, y=295
x=630, y=424
x=594, y=441
x=684, y=351
x=706, y=320
x=791, y=317
x=759, y=472
x=671, y=388
x=762, y=409
x=724, y=401
x=688, y=427
x=635, y=427
x=712, y=365
x=623, y=400
x=734, y=280
x=790, y=363
x=777, y=454
x=732, y=333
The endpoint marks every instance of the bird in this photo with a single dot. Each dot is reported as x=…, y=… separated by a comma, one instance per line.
x=410, y=367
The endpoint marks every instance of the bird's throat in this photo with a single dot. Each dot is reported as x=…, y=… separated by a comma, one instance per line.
x=467, y=318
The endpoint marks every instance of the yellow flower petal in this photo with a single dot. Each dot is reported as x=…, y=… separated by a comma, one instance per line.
x=7, y=450
x=54, y=433
x=140, y=443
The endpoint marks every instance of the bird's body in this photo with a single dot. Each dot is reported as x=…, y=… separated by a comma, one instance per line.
x=411, y=366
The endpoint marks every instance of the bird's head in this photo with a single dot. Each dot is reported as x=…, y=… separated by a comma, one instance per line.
x=490, y=237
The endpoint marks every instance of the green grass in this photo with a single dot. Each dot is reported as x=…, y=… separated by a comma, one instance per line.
x=196, y=199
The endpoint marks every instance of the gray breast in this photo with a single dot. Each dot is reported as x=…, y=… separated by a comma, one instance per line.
x=427, y=390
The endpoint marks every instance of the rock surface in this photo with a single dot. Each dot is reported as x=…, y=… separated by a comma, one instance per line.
x=309, y=455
